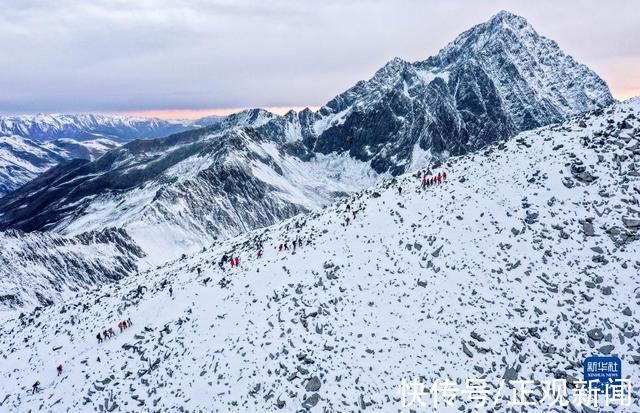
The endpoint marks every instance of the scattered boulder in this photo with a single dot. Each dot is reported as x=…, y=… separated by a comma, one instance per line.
x=595, y=334
x=311, y=401
x=606, y=349
x=510, y=373
x=631, y=222
x=313, y=384
x=466, y=350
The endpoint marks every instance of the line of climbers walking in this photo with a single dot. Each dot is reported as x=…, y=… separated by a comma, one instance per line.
x=433, y=180
x=108, y=332
x=296, y=243
x=233, y=261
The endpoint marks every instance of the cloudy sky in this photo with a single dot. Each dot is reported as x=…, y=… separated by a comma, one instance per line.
x=194, y=57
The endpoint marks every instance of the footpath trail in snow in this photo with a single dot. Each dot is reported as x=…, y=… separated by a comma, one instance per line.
x=521, y=264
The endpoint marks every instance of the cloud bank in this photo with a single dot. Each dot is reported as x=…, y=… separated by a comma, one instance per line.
x=74, y=55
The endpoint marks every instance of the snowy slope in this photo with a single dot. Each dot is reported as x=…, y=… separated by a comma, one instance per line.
x=21, y=159
x=254, y=168
x=38, y=269
x=521, y=264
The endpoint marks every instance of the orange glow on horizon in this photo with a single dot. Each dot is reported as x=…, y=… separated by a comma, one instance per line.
x=620, y=93
x=626, y=94
x=200, y=113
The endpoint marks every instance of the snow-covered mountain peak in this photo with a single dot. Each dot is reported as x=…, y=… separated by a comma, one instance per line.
x=507, y=18
x=504, y=27
x=392, y=67
x=254, y=117
x=254, y=168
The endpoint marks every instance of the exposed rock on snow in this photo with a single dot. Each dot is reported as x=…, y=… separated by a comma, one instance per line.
x=344, y=307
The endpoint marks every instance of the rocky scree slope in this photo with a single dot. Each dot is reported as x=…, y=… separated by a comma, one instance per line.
x=520, y=265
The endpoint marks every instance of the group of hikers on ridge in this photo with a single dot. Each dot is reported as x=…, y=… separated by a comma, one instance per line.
x=108, y=332
x=233, y=261
x=296, y=243
x=351, y=212
x=433, y=180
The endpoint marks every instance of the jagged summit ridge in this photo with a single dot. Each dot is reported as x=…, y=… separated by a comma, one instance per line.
x=507, y=46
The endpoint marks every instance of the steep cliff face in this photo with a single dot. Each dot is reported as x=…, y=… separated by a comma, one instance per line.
x=493, y=81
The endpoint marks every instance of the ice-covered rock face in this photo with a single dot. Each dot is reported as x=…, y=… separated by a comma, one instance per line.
x=255, y=168
x=493, y=81
x=521, y=264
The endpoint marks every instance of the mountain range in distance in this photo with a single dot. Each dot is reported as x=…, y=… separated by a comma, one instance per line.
x=255, y=168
